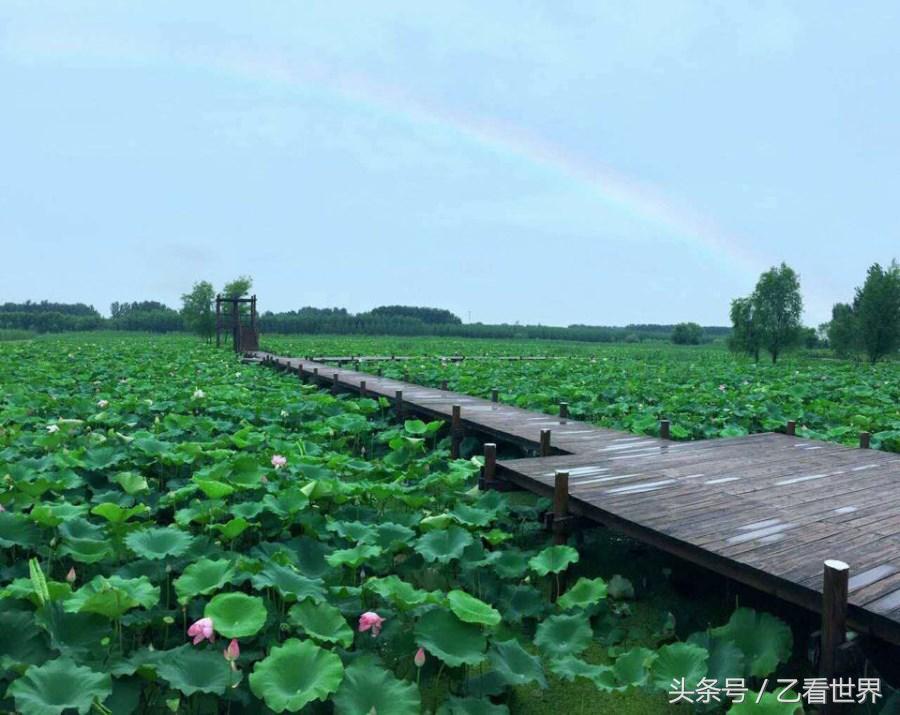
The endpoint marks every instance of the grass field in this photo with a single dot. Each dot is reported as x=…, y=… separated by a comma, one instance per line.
x=153, y=483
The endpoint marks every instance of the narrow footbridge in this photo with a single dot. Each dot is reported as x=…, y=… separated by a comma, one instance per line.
x=766, y=509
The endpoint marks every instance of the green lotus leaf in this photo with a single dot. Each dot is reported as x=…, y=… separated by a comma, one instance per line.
x=355, y=531
x=289, y=583
x=553, y=559
x=449, y=639
x=620, y=588
x=113, y=596
x=86, y=551
x=245, y=472
x=247, y=510
x=768, y=704
x=78, y=528
x=98, y=459
x=355, y=557
x=509, y=563
x=56, y=514
x=322, y=622
x=58, y=686
x=159, y=542
x=416, y=427
x=676, y=661
x=563, y=635
x=764, y=640
x=287, y=503
x=236, y=615
x=632, y=668
x=444, y=546
x=471, y=516
x=73, y=634
x=585, y=593
x=202, y=578
x=399, y=593
x=191, y=670
x=232, y=528
x=294, y=674
x=28, y=647
x=390, y=536
x=131, y=482
x=520, y=602
x=471, y=706
x=726, y=660
x=116, y=514
x=472, y=610
x=17, y=530
x=213, y=489
x=435, y=522
x=370, y=688
x=515, y=665
x=568, y=667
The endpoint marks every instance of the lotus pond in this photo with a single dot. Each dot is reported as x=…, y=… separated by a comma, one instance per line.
x=184, y=533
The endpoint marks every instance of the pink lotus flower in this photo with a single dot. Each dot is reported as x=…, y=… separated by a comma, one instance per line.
x=233, y=651
x=419, y=658
x=370, y=620
x=278, y=461
x=102, y=404
x=71, y=576
x=202, y=630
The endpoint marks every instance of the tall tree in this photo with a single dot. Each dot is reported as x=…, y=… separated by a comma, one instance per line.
x=777, y=307
x=843, y=330
x=238, y=288
x=197, y=310
x=687, y=334
x=744, y=336
x=877, y=307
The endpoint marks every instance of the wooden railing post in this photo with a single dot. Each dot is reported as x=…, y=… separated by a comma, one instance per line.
x=398, y=404
x=443, y=384
x=316, y=376
x=334, y=384
x=362, y=388
x=495, y=395
x=545, y=443
x=864, y=440
x=834, y=614
x=489, y=470
x=455, y=431
x=560, y=506
x=791, y=428
x=665, y=429
x=564, y=410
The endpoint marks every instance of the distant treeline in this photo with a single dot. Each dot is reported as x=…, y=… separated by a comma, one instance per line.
x=156, y=317
x=404, y=320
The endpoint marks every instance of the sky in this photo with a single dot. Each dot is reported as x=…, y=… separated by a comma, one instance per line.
x=541, y=162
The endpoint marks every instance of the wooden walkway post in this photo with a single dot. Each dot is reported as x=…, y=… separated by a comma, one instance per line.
x=864, y=440
x=455, y=431
x=791, y=428
x=316, y=376
x=489, y=470
x=564, y=410
x=362, y=388
x=664, y=429
x=545, y=443
x=300, y=374
x=560, y=506
x=834, y=614
x=334, y=384
x=398, y=403
x=495, y=394
x=443, y=384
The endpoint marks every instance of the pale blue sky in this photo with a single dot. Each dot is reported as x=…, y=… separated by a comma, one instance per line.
x=550, y=162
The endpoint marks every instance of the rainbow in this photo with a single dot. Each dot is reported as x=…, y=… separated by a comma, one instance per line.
x=630, y=198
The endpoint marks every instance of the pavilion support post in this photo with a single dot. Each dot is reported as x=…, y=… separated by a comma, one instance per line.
x=665, y=427
x=398, y=404
x=495, y=395
x=791, y=428
x=455, y=431
x=545, y=443
x=218, y=321
x=834, y=615
x=564, y=410
x=864, y=440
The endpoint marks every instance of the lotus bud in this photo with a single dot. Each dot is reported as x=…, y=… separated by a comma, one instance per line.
x=419, y=658
x=233, y=651
x=71, y=576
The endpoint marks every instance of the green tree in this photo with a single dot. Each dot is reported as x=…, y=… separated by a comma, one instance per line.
x=877, y=308
x=687, y=334
x=238, y=288
x=777, y=307
x=843, y=330
x=197, y=310
x=745, y=337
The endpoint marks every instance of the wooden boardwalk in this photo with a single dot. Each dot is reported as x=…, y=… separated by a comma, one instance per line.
x=766, y=509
